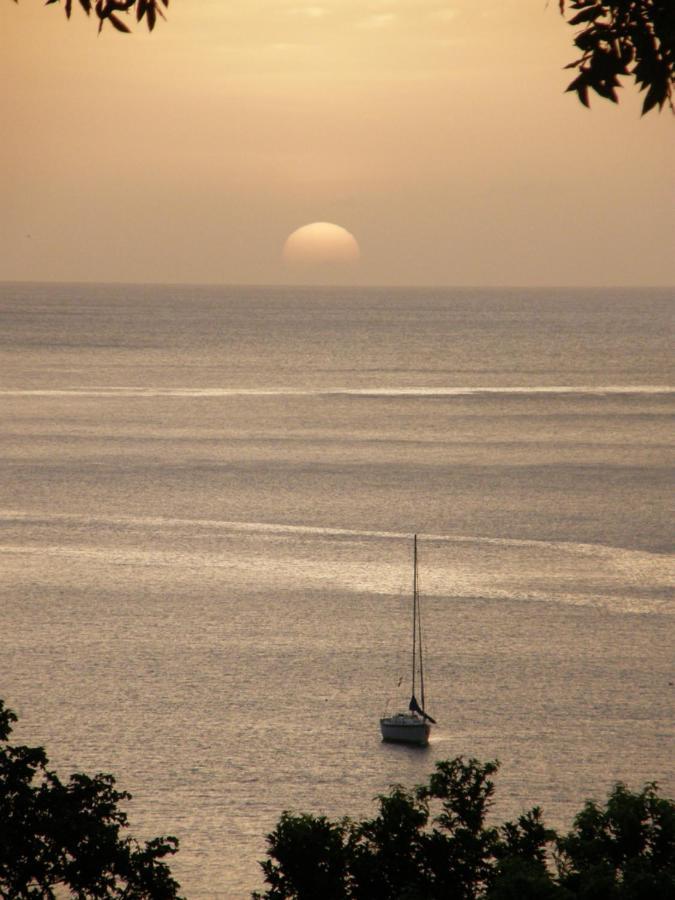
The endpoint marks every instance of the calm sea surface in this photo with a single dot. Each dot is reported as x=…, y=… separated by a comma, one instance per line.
x=206, y=501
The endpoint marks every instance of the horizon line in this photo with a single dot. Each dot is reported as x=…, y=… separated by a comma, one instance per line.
x=346, y=286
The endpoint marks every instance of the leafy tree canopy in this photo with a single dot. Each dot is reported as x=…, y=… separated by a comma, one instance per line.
x=434, y=842
x=67, y=839
x=633, y=38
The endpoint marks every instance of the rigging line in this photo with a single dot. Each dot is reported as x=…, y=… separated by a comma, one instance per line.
x=414, y=641
x=419, y=636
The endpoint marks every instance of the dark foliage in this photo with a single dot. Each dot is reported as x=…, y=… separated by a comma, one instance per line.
x=433, y=842
x=633, y=38
x=65, y=839
x=625, y=850
x=109, y=11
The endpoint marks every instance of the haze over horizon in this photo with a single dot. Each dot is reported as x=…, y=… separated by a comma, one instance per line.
x=438, y=134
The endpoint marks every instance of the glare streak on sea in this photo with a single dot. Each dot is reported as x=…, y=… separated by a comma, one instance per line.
x=205, y=516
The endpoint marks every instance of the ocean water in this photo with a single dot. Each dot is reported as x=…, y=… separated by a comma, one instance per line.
x=206, y=506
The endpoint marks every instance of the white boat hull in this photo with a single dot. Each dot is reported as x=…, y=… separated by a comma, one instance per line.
x=405, y=728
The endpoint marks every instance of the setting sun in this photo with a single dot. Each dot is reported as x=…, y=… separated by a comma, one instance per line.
x=320, y=243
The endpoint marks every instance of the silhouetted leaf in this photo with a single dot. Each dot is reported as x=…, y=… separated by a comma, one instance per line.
x=587, y=15
x=118, y=23
x=655, y=95
x=580, y=85
x=605, y=90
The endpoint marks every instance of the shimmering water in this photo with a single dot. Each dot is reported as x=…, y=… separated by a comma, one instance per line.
x=206, y=502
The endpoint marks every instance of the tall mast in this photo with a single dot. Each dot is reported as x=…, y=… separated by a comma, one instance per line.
x=414, y=636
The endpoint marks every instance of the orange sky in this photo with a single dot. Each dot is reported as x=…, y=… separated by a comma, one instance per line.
x=437, y=133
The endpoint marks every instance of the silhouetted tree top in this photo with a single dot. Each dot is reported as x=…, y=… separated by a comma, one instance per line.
x=434, y=842
x=634, y=38
x=66, y=839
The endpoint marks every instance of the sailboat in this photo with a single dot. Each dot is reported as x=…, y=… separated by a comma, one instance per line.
x=413, y=726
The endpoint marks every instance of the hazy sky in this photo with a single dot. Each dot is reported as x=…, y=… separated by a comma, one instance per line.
x=437, y=133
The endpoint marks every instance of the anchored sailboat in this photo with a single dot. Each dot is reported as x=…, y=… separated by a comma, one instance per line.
x=413, y=726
